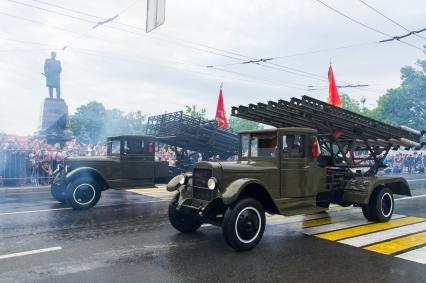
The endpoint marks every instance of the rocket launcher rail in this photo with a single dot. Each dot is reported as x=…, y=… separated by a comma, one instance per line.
x=328, y=119
x=350, y=132
x=195, y=134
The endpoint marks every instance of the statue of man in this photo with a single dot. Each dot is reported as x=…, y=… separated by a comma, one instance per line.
x=52, y=72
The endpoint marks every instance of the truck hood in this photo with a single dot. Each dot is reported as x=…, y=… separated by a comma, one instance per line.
x=86, y=158
x=238, y=166
x=247, y=166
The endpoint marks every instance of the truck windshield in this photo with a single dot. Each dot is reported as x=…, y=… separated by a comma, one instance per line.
x=263, y=145
x=114, y=147
x=258, y=145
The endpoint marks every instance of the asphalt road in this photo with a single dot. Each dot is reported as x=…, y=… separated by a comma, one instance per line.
x=127, y=238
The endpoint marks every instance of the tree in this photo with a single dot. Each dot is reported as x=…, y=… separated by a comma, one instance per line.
x=92, y=123
x=136, y=122
x=350, y=104
x=238, y=124
x=194, y=112
x=406, y=105
x=88, y=122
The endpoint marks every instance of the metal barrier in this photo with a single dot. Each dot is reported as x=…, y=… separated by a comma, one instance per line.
x=21, y=167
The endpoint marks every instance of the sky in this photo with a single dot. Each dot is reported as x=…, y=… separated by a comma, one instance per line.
x=121, y=66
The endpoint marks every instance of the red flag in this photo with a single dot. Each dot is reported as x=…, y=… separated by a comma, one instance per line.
x=221, y=120
x=333, y=94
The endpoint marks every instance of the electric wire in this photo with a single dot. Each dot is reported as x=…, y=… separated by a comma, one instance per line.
x=391, y=20
x=283, y=68
x=366, y=26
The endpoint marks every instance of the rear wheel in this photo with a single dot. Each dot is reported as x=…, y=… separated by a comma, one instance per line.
x=380, y=207
x=183, y=222
x=83, y=193
x=243, y=224
x=57, y=193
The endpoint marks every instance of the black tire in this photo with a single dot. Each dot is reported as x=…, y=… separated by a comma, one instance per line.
x=243, y=224
x=57, y=193
x=366, y=212
x=381, y=205
x=183, y=222
x=83, y=193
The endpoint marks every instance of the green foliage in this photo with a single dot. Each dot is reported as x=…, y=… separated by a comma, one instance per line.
x=349, y=103
x=194, y=112
x=92, y=123
x=88, y=122
x=406, y=105
x=238, y=124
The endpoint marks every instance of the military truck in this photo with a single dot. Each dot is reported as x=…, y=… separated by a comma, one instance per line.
x=317, y=155
x=130, y=160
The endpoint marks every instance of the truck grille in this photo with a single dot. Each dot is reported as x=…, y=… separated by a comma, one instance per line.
x=202, y=194
x=200, y=177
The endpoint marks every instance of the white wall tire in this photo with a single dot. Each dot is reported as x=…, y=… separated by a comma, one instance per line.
x=244, y=224
x=83, y=193
x=381, y=205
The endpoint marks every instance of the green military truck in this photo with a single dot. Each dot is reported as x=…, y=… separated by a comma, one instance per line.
x=130, y=161
x=318, y=154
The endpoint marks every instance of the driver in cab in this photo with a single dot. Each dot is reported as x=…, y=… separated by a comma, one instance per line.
x=292, y=149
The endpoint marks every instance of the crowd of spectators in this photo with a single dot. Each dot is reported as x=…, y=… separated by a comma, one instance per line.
x=24, y=161
x=174, y=155
x=405, y=162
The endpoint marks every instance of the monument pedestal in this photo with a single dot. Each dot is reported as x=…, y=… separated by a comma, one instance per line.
x=54, y=122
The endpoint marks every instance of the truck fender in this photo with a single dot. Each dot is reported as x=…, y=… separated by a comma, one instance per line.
x=249, y=187
x=399, y=186
x=173, y=184
x=87, y=171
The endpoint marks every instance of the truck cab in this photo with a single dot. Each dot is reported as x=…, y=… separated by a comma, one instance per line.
x=278, y=171
x=130, y=161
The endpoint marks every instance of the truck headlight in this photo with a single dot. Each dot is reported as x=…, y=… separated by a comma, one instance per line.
x=182, y=179
x=212, y=183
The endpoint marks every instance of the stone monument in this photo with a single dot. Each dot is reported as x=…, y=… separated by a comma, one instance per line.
x=54, y=120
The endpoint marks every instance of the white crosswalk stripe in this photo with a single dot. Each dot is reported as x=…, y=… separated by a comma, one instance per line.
x=159, y=193
x=356, y=221
x=353, y=219
x=417, y=255
x=372, y=238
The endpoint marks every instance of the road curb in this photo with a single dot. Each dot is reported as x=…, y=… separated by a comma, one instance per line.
x=24, y=189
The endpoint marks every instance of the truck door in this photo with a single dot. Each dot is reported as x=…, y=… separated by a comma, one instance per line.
x=295, y=166
x=137, y=160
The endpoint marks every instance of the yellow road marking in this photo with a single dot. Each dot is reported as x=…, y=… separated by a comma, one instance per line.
x=399, y=244
x=317, y=222
x=368, y=228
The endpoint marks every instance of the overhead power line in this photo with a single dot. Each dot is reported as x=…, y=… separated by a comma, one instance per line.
x=220, y=52
x=216, y=51
x=366, y=26
x=393, y=21
x=100, y=23
x=403, y=36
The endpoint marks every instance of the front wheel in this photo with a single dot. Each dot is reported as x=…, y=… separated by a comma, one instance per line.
x=183, y=222
x=380, y=207
x=243, y=224
x=83, y=193
x=57, y=193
